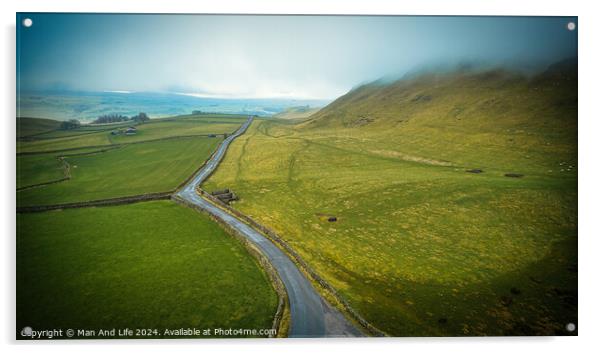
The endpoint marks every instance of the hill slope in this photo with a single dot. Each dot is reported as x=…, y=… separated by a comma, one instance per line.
x=372, y=191
x=466, y=117
x=457, y=100
x=294, y=113
x=34, y=126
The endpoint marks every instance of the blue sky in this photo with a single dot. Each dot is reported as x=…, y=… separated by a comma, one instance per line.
x=317, y=57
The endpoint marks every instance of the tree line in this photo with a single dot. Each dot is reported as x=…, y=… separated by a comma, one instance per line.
x=105, y=119
x=116, y=118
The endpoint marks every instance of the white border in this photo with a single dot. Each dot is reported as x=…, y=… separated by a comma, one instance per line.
x=376, y=7
x=590, y=115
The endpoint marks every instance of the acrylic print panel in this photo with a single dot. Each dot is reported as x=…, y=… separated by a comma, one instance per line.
x=224, y=176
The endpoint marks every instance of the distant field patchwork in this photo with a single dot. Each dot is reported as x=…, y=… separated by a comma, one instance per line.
x=125, y=171
x=49, y=138
x=101, y=161
x=180, y=127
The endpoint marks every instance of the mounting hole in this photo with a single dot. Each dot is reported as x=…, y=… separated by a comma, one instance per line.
x=27, y=22
x=570, y=327
x=571, y=26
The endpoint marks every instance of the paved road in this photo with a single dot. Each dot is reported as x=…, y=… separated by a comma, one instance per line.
x=311, y=315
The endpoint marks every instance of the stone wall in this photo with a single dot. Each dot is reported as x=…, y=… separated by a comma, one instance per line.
x=96, y=203
x=258, y=255
x=274, y=237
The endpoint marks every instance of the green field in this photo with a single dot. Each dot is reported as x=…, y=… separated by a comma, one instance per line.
x=71, y=141
x=82, y=130
x=37, y=169
x=125, y=171
x=161, y=155
x=420, y=246
x=176, y=128
x=52, y=139
x=153, y=265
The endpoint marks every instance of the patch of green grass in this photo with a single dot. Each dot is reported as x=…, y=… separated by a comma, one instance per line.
x=73, y=140
x=128, y=170
x=153, y=265
x=84, y=130
x=36, y=169
x=179, y=127
x=420, y=246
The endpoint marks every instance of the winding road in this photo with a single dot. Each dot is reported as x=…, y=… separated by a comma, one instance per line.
x=311, y=315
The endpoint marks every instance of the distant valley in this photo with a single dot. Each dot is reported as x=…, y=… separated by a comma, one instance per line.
x=87, y=106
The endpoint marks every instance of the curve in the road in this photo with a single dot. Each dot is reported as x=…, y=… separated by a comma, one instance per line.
x=311, y=315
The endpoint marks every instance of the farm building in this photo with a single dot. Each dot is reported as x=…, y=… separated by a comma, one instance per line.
x=225, y=196
x=130, y=130
x=219, y=192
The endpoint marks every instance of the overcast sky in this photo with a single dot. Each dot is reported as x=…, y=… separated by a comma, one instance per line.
x=267, y=56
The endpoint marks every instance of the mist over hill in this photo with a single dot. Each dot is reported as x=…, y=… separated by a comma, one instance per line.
x=458, y=95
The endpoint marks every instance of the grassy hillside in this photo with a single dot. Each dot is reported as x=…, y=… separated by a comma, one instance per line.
x=34, y=126
x=295, y=113
x=420, y=246
x=465, y=117
x=155, y=265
